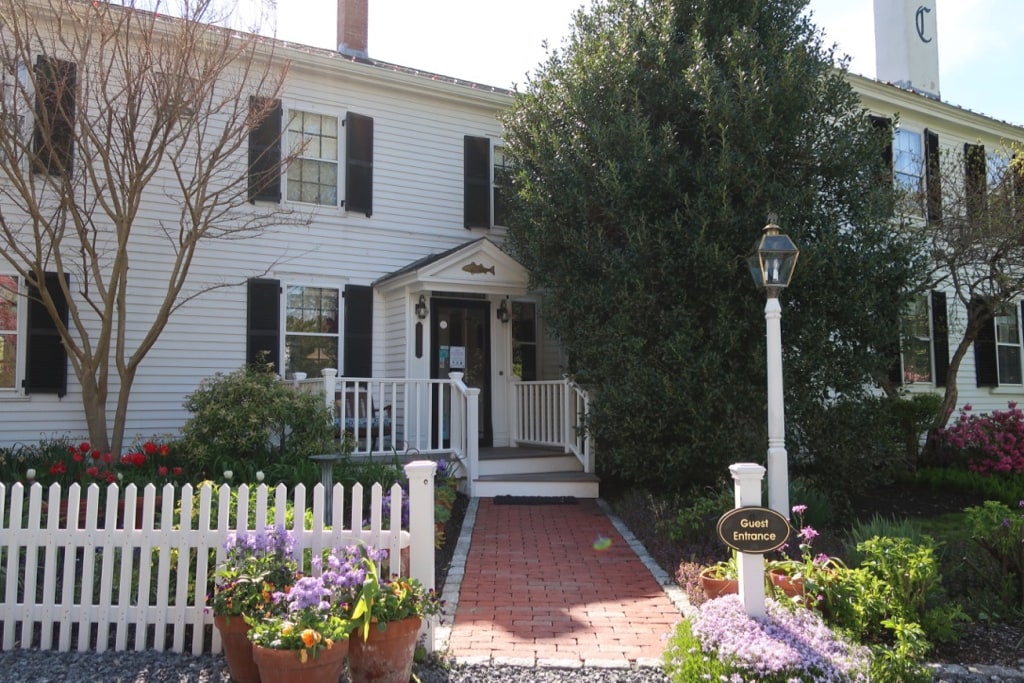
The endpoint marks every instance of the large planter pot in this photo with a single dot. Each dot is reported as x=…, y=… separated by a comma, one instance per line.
x=237, y=649
x=715, y=587
x=386, y=655
x=286, y=666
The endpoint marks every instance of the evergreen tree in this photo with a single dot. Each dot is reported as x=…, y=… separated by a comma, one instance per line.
x=647, y=153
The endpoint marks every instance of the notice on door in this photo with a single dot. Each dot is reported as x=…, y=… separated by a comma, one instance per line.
x=458, y=358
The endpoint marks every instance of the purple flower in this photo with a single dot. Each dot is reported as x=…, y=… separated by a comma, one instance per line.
x=799, y=509
x=808, y=534
x=786, y=642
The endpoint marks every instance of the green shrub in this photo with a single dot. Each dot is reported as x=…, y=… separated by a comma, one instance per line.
x=249, y=421
x=1000, y=532
x=851, y=446
x=878, y=525
x=1007, y=488
x=911, y=573
x=696, y=520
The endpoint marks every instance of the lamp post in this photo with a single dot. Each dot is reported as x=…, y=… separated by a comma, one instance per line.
x=771, y=266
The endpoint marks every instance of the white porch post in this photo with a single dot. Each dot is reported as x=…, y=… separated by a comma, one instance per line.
x=747, y=482
x=329, y=375
x=778, y=458
x=472, y=435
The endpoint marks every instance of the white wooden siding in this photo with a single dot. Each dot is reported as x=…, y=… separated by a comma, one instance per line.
x=419, y=126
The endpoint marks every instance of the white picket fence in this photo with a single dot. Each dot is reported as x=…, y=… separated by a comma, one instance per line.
x=136, y=574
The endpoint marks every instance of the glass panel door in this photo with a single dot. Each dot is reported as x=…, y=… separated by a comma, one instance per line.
x=461, y=342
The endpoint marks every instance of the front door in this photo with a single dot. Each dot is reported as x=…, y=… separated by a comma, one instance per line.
x=462, y=343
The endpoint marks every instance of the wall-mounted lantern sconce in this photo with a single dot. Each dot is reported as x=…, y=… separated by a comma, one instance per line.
x=421, y=308
x=504, y=315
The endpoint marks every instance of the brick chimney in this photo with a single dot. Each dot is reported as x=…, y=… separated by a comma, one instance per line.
x=353, y=18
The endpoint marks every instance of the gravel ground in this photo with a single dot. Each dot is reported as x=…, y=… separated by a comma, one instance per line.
x=34, y=666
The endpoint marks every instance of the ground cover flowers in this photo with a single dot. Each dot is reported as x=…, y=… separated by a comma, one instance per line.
x=721, y=642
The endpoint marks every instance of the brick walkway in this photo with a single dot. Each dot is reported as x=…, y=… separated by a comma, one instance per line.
x=536, y=591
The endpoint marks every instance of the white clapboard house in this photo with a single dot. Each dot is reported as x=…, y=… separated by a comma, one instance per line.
x=397, y=301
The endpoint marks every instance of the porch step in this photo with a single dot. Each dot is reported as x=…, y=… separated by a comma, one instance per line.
x=576, y=484
x=531, y=471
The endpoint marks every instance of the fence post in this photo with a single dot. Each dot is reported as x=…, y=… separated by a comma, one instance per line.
x=420, y=474
x=747, y=482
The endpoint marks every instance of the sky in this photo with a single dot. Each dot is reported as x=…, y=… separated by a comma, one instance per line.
x=499, y=42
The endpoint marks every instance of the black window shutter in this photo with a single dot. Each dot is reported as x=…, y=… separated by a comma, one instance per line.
x=358, y=331
x=265, y=150
x=359, y=163
x=940, y=338
x=933, y=175
x=46, y=358
x=986, y=368
x=263, y=325
x=54, y=130
x=884, y=124
x=975, y=179
x=477, y=176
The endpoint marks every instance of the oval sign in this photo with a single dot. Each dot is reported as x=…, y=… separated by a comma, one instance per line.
x=753, y=529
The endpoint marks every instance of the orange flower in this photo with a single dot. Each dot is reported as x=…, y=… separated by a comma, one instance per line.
x=309, y=637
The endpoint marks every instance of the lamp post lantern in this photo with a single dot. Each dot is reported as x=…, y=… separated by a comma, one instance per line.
x=771, y=266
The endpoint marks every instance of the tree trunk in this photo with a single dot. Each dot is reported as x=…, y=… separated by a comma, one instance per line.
x=952, y=392
x=94, y=401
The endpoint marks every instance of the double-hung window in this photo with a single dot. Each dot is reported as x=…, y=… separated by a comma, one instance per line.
x=483, y=172
x=313, y=174
x=311, y=338
x=917, y=342
x=908, y=165
x=10, y=334
x=1008, y=345
x=324, y=166
x=924, y=341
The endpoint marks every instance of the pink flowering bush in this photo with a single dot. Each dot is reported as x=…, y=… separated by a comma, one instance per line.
x=990, y=444
x=720, y=642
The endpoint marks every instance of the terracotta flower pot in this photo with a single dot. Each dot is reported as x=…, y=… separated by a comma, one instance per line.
x=715, y=587
x=237, y=649
x=386, y=655
x=286, y=666
x=790, y=585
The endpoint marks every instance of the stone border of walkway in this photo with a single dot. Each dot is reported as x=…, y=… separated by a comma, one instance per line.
x=943, y=673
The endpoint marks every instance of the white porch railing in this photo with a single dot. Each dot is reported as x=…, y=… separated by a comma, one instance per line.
x=552, y=413
x=93, y=579
x=441, y=416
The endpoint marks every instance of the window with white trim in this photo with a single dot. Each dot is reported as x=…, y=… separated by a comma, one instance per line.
x=1008, y=345
x=311, y=338
x=10, y=335
x=916, y=344
x=313, y=175
x=501, y=173
x=908, y=161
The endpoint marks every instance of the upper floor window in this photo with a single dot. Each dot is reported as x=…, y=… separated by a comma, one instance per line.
x=483, y=165
x=313, y=174
x=9, y=332
x=908, y=161
x=54, y=128
x=316, y=172
x=501, y=175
